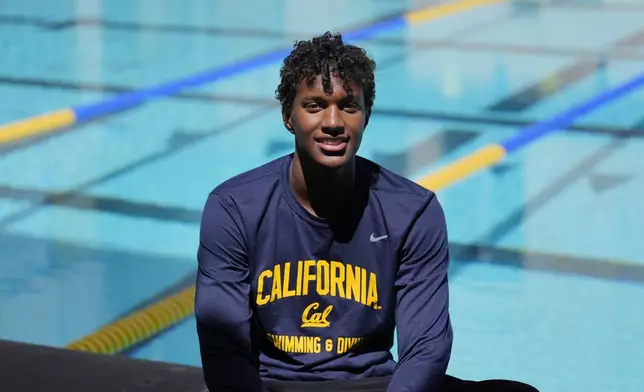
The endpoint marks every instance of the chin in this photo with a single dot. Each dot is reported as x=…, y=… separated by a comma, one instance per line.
x=333, y=162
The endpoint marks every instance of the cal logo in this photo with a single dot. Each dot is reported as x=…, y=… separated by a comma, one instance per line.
x=313, y=319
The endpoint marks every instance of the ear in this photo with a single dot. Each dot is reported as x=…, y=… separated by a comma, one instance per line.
x=286, y=118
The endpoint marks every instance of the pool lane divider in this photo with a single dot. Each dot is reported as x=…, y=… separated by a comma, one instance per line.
x=68, y=117
x=140, y=325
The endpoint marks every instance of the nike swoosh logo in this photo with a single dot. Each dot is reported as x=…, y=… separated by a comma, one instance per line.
x=376, y=239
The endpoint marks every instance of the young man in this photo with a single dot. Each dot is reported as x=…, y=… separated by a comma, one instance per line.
x=307, y=263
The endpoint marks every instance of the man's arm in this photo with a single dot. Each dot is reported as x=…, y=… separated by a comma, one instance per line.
x=222, y=309
x=422, y=310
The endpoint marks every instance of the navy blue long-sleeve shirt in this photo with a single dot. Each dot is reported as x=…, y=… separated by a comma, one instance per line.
x=281, y=295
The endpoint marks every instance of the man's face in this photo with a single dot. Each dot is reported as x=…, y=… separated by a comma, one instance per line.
x=328, y=128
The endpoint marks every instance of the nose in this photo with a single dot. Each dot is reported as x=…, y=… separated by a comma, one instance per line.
x=333, y=123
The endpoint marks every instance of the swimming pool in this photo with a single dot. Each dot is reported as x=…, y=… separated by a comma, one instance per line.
x=97, y=220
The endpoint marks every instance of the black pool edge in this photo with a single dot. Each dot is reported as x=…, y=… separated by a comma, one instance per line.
x=26, y=367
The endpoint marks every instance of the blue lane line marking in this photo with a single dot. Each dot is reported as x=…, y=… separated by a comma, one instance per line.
x=127, y=100
x=367, y=31
x=124, y=101
x=563, y=120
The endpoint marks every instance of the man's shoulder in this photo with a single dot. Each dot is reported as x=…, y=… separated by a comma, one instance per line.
x=393, y=186
x=253, y=183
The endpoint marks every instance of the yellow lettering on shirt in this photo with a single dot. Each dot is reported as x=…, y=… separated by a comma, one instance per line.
x=334, y=279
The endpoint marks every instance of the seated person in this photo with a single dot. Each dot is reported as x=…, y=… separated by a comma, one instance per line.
x=308, y=262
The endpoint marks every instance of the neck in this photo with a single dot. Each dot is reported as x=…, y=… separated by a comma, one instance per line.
x=322, y=191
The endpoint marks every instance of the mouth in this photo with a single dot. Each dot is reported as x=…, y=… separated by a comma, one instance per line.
x=333, y=145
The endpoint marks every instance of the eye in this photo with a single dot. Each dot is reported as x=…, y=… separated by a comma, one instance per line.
x=312, y=107
x=351, y=107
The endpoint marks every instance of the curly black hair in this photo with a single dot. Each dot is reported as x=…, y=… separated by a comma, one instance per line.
x=325, y=55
